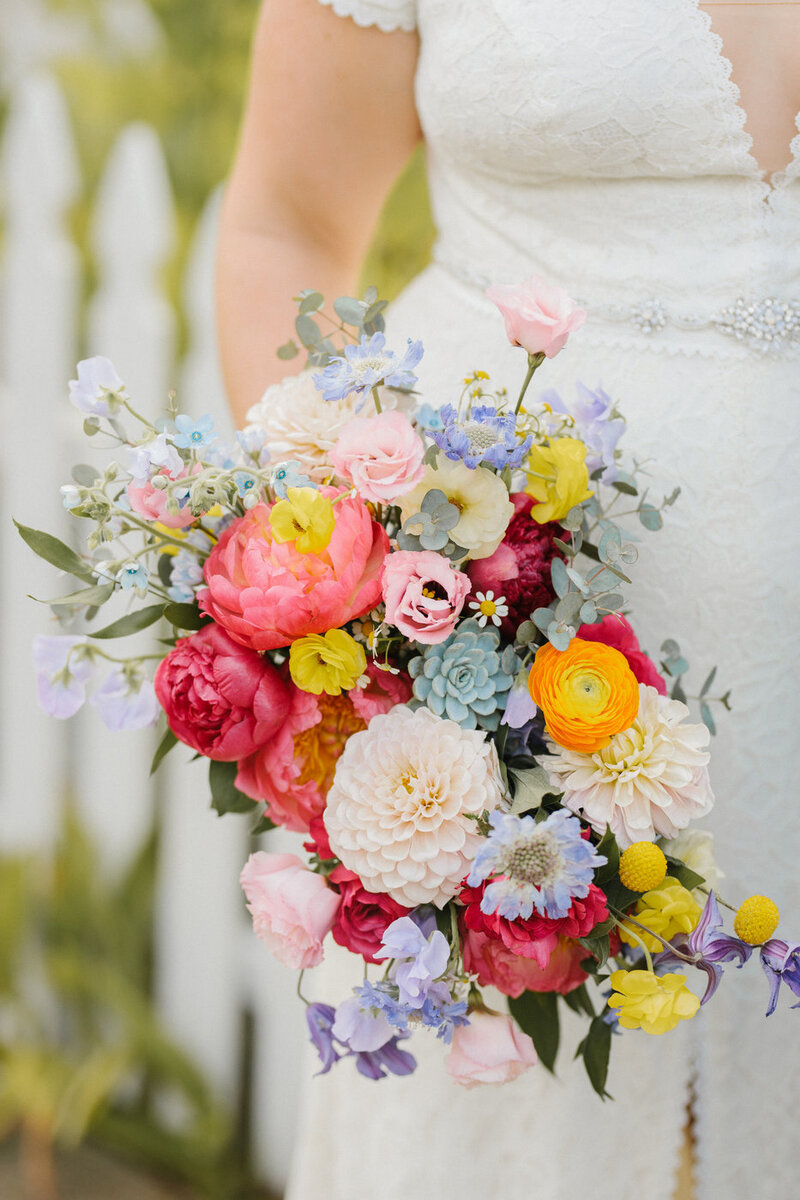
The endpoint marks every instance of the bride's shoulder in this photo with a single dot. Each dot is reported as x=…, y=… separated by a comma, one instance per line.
x=388, y=15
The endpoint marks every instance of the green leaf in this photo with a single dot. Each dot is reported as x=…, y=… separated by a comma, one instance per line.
x=685, y=875
x=164, y=746
x=92, y=595
x=578, y=1000
x=131, y=623
x=627, y=489
x=709, y=680
x=287, y=350
x=308, y=331
x=529, y=788
x=349, y=311
x=608, y=847
x=54, y=551
x=618, y=896
x=185, y=616
x=85, y=475
x=311, y=302
x=225, y=796
x=262, y=825
x=650, y=517
x=370, y=295
x=536, y=1013
x=707, y=718
x=595, y=1050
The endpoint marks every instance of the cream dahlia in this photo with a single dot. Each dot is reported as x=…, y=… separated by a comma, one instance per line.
x=400, y=810
x=650, y=780
x=300, y=425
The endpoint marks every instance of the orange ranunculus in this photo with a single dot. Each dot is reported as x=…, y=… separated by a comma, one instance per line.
x=587, y=693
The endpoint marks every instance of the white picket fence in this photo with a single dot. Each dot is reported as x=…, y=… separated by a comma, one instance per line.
x=210, y=968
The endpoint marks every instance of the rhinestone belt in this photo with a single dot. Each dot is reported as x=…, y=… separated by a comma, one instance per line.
x=769, y=324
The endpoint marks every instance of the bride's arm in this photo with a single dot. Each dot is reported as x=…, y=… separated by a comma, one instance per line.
x=329, y=122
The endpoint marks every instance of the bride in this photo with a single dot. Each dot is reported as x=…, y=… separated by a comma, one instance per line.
x=606, y=145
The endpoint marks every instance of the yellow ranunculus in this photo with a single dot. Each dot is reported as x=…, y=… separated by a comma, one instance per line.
x=654, y=1003
x=558, y=478
x=328, y=662
x=666, y=910
x=305, y=517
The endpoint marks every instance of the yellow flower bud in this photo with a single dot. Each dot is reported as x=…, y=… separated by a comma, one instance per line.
x=756, y=920
x=559, y=478
x=330, y=662
x=642, y=866
x=305, y=517
x=654, y=1003
x=666, y=910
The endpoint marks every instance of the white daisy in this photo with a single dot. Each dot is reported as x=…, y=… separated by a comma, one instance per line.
x=489, y=607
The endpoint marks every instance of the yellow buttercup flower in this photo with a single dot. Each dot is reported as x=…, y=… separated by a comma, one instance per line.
x=558, y=478
x=305, y=517
x=642, y=866
x=756, y=920
x=666, y=910
x=328, y=662
x=654, y=1003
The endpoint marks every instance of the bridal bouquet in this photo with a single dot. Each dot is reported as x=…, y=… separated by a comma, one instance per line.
x=398, y=630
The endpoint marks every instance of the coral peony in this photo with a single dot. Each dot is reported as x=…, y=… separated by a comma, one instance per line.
x=587, y=693
x=497, y=966
x=615, y=631
x=292, y=908
x=490, y=1049
x=220, y=698
x=266, y=594
x=539, y=316
x=402, y=806
x=380, y=455
x=519, y=569
x=424, y=594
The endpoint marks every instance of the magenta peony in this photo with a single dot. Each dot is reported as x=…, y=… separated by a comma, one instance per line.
x=491, y=1049
x=362, y=917
x=615, y=631
x=539, y=316
x=381, y=456
x=220, y=698
x=519, y=569
x=292, y=908
x=266, y=594
x=424, y=594
x=497, y=966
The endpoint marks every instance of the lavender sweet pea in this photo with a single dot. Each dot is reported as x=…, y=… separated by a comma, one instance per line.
x=419, y=960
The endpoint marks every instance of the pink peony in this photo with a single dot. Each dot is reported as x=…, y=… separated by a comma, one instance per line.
x=381, y=455
x=266, y=594
x=497, y=966
x=539, y=316
x=220, y=698
x=491, y=1049
x=292, y=908
x=294, y=770
x=519, y=569
x=423, y=593
x=151, y=503
x=615, y=631
x=537, y=936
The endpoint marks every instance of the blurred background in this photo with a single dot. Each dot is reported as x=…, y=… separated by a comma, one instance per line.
x=149, y=1046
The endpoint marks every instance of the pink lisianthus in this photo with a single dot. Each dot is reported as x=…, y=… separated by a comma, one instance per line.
x=539, y=316
x=151, y=502
x=519, y=569
x=292, y=908
x=267, y=594
x=220, y=698
x=615, y=631
x=491, y=1049
x=381, y=456
x=424, y=594
x=497, y=966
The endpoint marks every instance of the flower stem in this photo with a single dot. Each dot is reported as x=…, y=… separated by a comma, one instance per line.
x=377, y=400
x=534, y=362
x=623, y=918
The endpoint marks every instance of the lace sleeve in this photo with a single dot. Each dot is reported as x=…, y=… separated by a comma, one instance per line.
x=386, y=14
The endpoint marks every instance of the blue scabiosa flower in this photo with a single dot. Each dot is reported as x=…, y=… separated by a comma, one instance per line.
x=193, y=434
x=367, y=365
x=781, y=963
x=544, y=865
x=710, y=945
x=483, y=436
x=467, y=677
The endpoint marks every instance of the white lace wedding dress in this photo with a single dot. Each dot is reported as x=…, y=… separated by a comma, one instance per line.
x=601, y=143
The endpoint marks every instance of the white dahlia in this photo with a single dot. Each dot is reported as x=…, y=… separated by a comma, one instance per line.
x=300, y=425
x=399, y=811
x=651, y=780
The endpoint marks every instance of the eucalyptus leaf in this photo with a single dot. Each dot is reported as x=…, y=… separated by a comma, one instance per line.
x=288, y=350
x=650, y=517
x=612, y=601
x=565, y=547
x=577, y=579
x=558, y=574
x=536, y=1013
x=543, y=618
x=225, y=796
x=370, y=295
x=670, y=648
x=574, y=518
x=709, y=680
x=91, y=426
x=677, y=692
x=707, y=718
x=132, y=622
x=568, y=607
x=308, y=331
x=588, y=613
x=311, y=302
x=54, y=551
x=677, y=666
x=349, y=311
x=85, y=475
x=526, y=633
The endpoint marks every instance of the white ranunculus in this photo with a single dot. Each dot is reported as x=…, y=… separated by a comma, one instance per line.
x=401, y=808
x=650, y=780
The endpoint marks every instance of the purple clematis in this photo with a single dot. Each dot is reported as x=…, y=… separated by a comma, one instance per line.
x=710, y=945
x=781, y=963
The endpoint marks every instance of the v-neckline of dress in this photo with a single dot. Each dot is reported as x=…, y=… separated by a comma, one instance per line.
x=738, y=115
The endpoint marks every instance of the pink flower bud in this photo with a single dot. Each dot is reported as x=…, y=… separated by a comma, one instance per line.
x=539, y=316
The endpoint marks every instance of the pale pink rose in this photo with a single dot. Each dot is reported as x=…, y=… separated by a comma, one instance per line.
x=539, y=316
x=292, y=908
x=491, y=1049
x=381, y=455
x=424, y=594
x=151, y=503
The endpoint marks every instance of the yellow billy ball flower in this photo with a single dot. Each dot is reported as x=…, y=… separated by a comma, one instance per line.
x=558, y=478
x=642, y=866
x=654, y=1003
x=666, y=910
x=756, y=920
x=330, y=662
x=305, y=517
